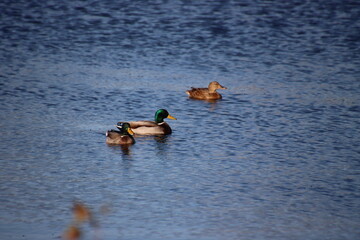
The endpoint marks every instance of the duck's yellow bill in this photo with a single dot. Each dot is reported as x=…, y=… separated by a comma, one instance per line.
x=130, y=131
x=171, y=117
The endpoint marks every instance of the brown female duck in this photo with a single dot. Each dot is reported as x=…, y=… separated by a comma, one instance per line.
x=208, y=93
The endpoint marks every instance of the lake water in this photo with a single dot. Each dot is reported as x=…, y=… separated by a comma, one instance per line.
x=277, y=158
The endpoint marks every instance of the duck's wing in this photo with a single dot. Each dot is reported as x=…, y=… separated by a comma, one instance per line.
x=113, y=137
x=116, y=137
x=150, y=128
x=198, y=92
x=137, y=124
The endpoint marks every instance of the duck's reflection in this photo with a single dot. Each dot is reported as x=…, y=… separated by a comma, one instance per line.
x=162, y=144
x=212, y=103
x=161, y=138
x=124, y=149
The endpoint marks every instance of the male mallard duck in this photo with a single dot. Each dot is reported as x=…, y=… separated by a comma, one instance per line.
x=124, y=136
x=209, y=93
x=157, y=127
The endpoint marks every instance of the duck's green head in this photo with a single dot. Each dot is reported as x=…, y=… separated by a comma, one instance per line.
x=124, y=128
x=161, y=114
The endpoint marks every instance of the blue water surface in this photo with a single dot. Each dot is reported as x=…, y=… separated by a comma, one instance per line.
x=277, y=158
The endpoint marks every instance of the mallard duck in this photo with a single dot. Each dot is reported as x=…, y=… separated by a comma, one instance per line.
x=157, y=127
x=124, y=136
x=208, y=93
